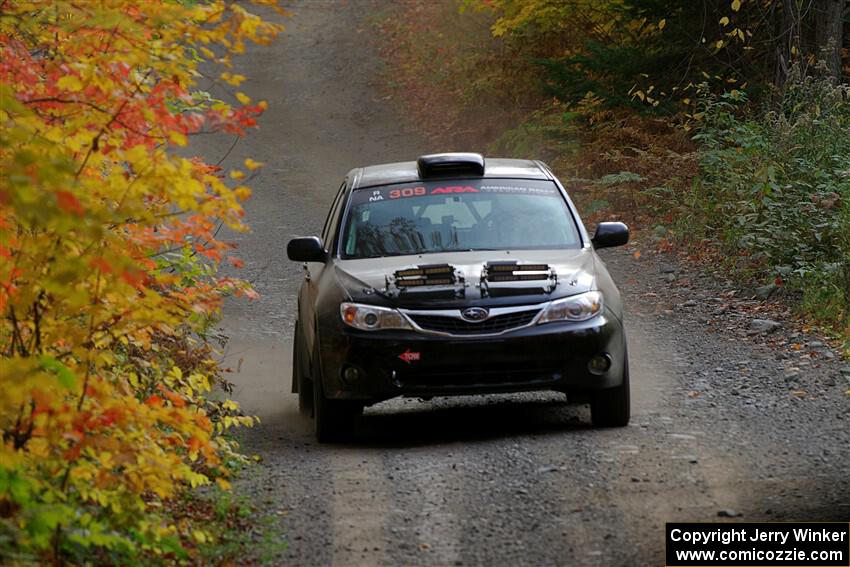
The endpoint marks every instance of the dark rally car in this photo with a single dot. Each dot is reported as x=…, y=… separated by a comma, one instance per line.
x=456, y=275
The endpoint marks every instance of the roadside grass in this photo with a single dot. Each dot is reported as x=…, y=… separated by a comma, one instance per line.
x=773, y=190
x=237, y=532
x=761, y=192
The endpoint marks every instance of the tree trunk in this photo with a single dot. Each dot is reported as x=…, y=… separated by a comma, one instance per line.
x=829, y=33
x=788, y=41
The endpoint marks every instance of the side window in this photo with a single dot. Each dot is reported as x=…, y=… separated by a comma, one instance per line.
x=326, y=229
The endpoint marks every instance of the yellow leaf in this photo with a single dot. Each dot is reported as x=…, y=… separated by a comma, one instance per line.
x=76, y=143
x=199, y=536
x=71, y=83
x=232, y=79
x=252, y=165
x=719, y=44
x=177, y=138
x=662, y=24
x=736, y=5
x=236, y=174
x=243, y=98
x=222, y=483
x=242, y=192
x=724, y=21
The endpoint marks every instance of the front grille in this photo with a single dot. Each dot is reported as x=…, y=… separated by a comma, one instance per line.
x=455, y=326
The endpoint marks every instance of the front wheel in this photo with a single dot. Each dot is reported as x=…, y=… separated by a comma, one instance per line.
x=300, y=379
x=334, y=420
x=612, y=407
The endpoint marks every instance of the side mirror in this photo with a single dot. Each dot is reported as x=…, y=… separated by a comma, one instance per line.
x=610, y=234
x=306, y=249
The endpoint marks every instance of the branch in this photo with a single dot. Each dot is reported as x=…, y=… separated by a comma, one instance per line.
x=94, y=142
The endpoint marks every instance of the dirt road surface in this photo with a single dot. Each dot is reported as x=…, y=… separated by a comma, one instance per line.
x=724, y=422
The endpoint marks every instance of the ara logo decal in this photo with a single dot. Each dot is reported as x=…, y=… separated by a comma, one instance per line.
x=409, y=356
x=454, y=189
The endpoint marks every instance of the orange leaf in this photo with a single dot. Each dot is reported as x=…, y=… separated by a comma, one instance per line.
x=175, y=398
x=154, y=401
x=69, y=203
x=73, y=453
x=99, y=263
x=133, y=277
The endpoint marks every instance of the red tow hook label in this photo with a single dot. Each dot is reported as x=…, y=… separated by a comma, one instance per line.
x=409, y=357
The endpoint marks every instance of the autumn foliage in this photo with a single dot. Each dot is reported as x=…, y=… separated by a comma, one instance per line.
x=108, y=256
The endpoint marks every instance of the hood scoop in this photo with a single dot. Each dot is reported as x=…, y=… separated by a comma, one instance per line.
x=500, y=279
x=427, y=281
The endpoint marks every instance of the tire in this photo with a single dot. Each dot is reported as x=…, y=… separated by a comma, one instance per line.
x=300, y=378
x=611, y=407
x=334, y=420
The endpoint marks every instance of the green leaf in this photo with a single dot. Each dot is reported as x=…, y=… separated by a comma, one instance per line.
x=19, y=488
x=63, y=373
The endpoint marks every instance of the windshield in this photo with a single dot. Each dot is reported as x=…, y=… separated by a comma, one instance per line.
x=457, y=215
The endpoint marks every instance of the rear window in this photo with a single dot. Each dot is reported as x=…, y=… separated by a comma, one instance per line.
x=458, y=215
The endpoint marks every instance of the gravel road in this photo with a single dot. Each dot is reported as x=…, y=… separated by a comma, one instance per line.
x=727, y=421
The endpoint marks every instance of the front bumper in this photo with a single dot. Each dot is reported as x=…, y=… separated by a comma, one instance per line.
x=553, y=356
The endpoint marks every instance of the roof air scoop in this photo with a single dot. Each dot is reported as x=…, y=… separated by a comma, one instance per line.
x=444, y=165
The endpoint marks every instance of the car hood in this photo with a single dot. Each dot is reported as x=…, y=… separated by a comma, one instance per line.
x=367, y=279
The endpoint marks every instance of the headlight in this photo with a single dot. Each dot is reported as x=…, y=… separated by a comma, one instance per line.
x=372, y=317
x=579, y=307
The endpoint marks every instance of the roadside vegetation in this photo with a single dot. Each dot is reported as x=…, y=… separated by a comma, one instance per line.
x=116, y=427
x=720, y=127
